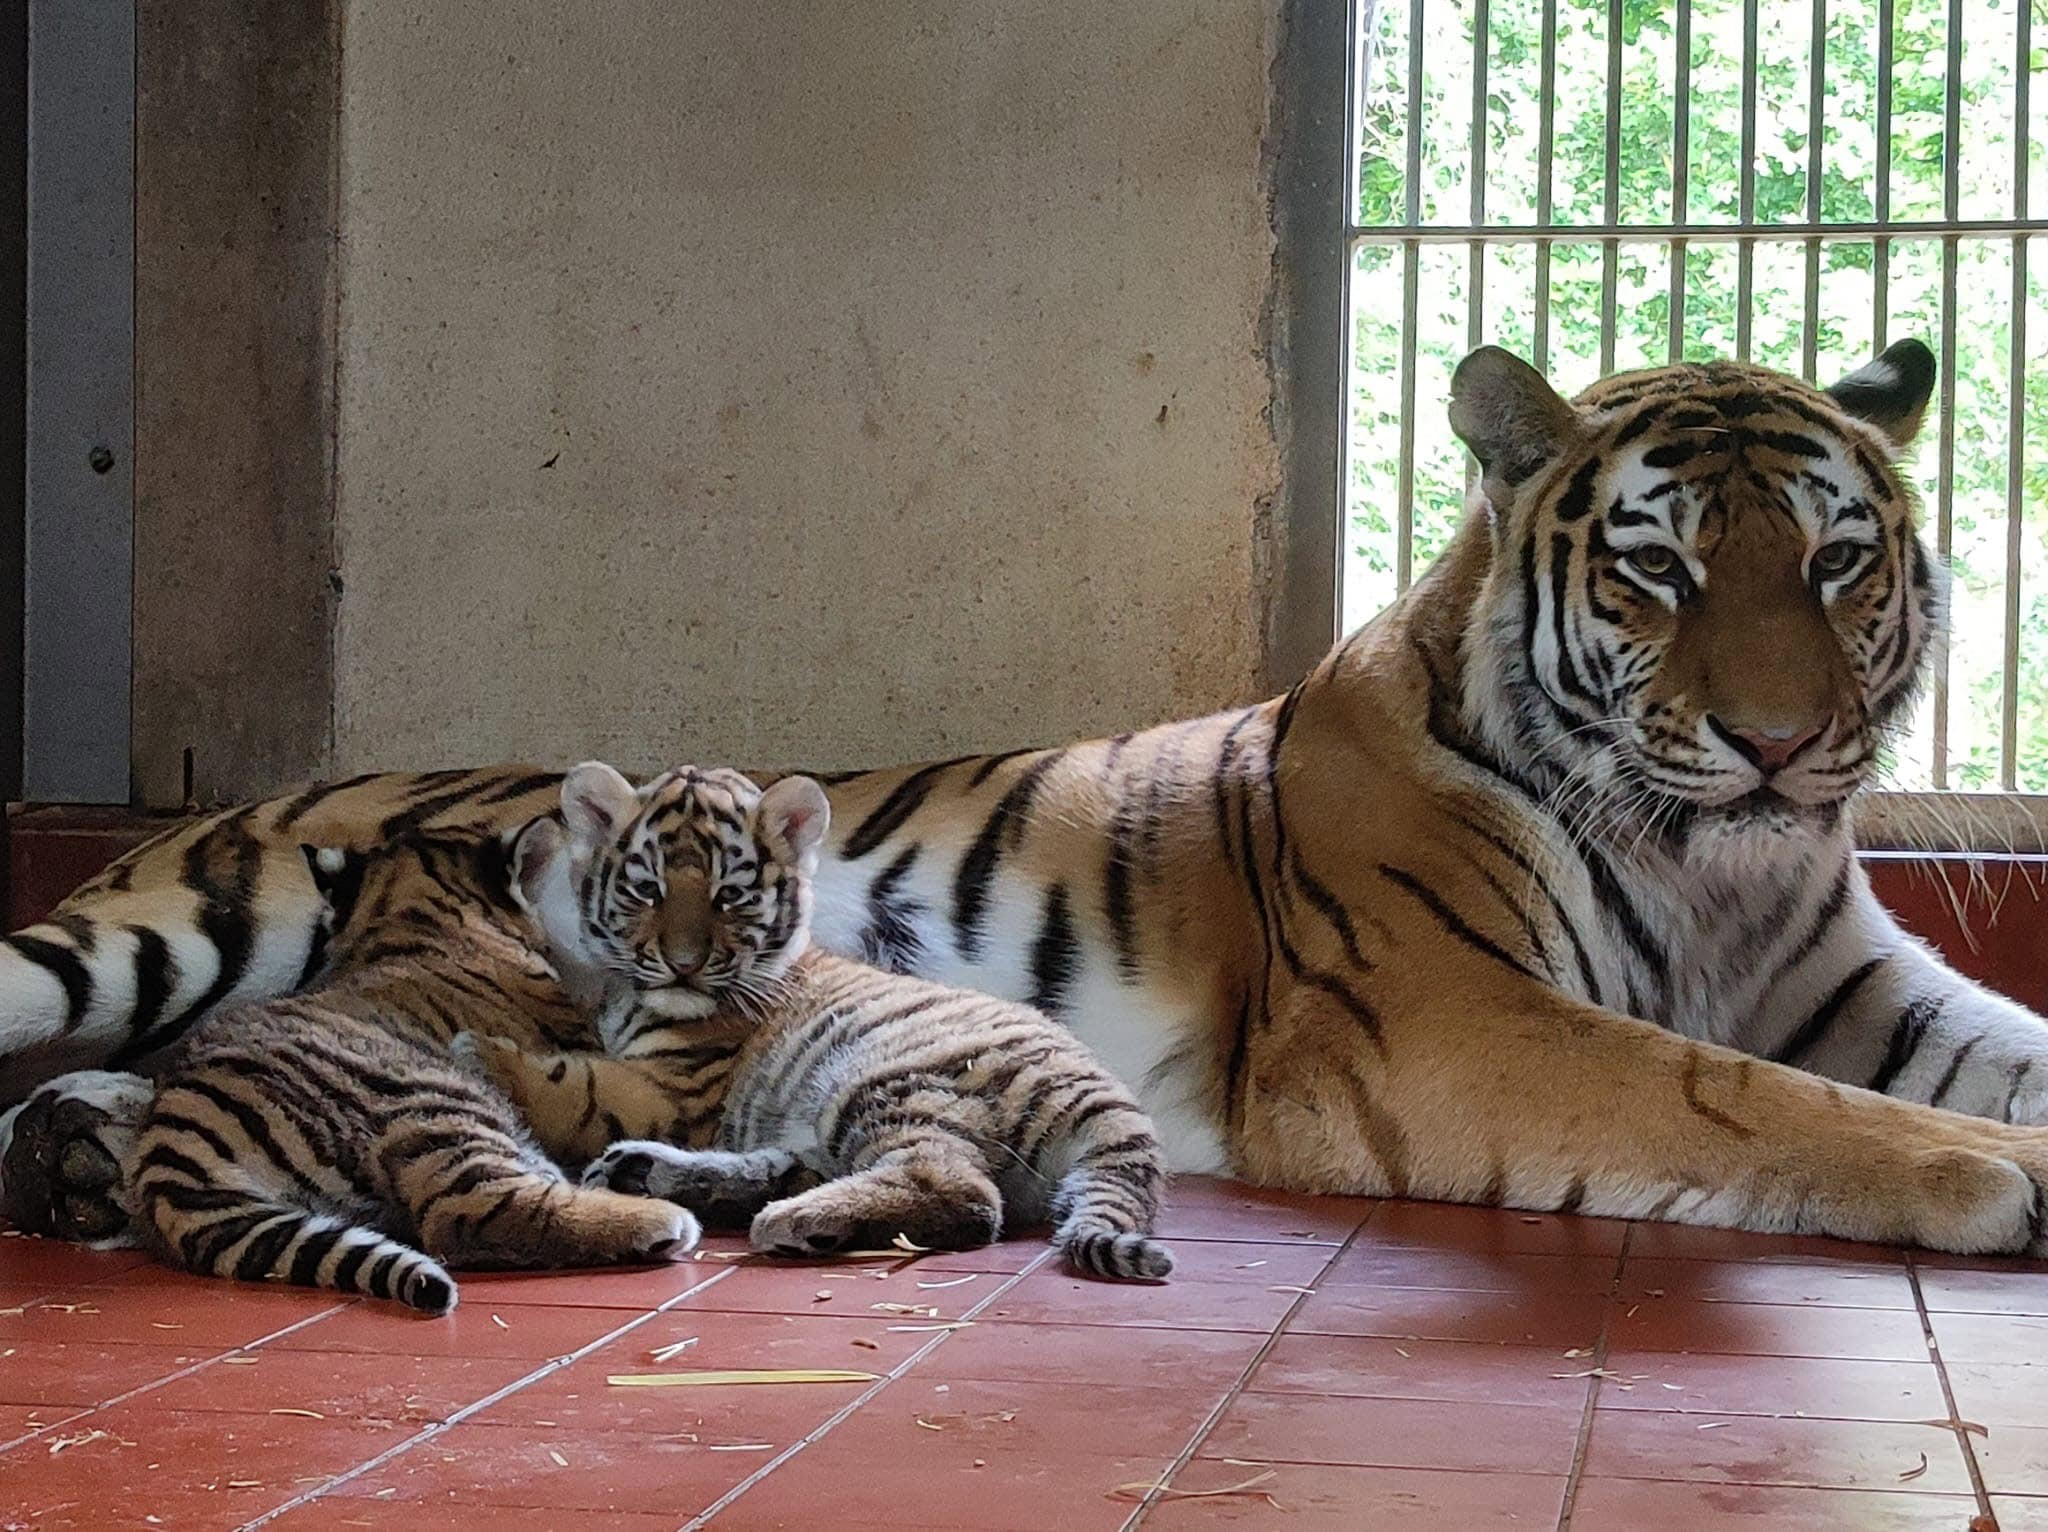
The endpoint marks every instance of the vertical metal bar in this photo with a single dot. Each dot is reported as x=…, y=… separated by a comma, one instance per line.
x=1610, y=250
x=1681, y=177
x=1358, y=21
x=2016, y=409
x=79, y=536
x=1951, y=205
x=1546, y=148
x=1411, y=261
x=1816, y=99
x=1881, y=248
x=1475, y=274
x=1944, y=490
x=1404, y=494
x=1745, y=250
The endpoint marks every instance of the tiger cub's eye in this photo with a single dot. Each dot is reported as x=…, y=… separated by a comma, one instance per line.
x=1834, y=560
x=1655, y=561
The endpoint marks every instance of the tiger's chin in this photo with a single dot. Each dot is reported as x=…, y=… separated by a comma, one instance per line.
x=1756, y=828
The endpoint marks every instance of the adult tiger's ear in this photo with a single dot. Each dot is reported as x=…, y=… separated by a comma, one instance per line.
x=596, y=802
x=793, y=817
x=1891, y=393
x=1511, y=418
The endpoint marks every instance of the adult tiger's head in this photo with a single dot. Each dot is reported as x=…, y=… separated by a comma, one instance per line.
x=1706, y=591
x=699, y=882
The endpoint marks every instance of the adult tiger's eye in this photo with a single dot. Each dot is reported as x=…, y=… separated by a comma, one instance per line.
x=1654, y=561
x=1835, y=559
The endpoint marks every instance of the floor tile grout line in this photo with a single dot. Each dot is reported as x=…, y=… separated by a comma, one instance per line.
x=183, y=1372
x=455, y=1417
x=1236, y=1390
x=1577, y=1473
x=1948, y=1393
x=841, y=1415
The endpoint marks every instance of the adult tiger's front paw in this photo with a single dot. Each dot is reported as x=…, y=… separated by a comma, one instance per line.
x=62, y=1153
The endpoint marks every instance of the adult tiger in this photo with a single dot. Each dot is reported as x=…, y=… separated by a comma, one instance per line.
x=1391, y=932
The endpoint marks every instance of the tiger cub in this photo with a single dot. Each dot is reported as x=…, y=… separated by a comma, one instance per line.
x=328, y=1139
x=757, y=1078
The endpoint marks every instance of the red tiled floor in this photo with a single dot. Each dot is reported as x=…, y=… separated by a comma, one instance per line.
x=1769, y=1329
x=1985, y=1292
x=1370, y=1265
x=951, y=1484
x=2015, y=1459
x=1636, y=1505
x=26, y=1258
x=477, y=1465
x=1994, y=1393
x=1758, y=1449
x=86, y=1372
x=1559, y=1320
x=1053, y=1297
x=1756, y=1385
x=342, y=1386
x=118, y=1466
x=2020, y=1515
x=1433, y=1369
x=1320, y=1498
x=1396, y=1433
x=532, y=1331
x=1403, y=1369
x=1991, y=1337
x=1834, y=1285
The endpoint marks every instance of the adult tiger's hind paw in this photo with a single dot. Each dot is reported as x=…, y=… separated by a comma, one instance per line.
x=62, y=1152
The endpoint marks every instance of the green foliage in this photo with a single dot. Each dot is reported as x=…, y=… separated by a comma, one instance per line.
x=1976, y=510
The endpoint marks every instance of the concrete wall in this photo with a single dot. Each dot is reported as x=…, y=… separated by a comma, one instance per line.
x=808, y=381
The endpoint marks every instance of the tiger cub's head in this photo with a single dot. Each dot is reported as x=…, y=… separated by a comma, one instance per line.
x=1706, y=594
x=697, y=885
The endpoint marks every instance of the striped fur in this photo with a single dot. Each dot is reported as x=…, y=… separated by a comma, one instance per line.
x=329, y=1140
x=1495, y=905
x=852, y=1105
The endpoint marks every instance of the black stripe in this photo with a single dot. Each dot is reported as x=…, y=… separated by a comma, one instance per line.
x=351, y=1262
x=1795, y=1046
x=63, y=965
x=1055, y=955
x=156, y=977
x=1907, y=1037
x=890, y=813
x=890, y=940
x=405, y=821
x=260, y=1256
x=1816, y=932
x=1003, y=828
x=989, y=767
x=1331, y=908
x=317, y=794
x=1955, y=1067
x=1452, y=921
x=307, y=1258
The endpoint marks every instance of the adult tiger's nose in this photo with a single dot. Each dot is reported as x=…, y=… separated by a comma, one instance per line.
x=1770, y=748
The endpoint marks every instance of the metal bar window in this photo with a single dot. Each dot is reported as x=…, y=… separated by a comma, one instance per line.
x=1799, y=232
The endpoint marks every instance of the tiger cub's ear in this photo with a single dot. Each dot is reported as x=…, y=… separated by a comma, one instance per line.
x=1891, y=393
x=1512, y=419
x=792, y=818
x=337, y=878
x=533, y=855
x=596, y=802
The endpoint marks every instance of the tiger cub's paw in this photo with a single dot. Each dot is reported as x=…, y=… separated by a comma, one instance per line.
x=62, y=1153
